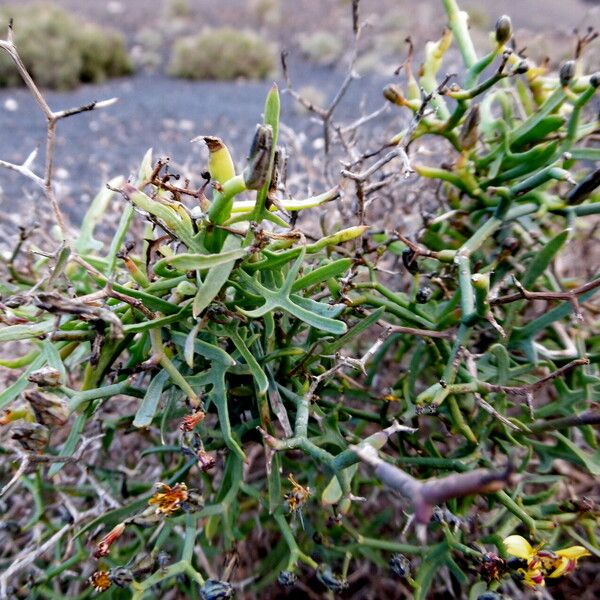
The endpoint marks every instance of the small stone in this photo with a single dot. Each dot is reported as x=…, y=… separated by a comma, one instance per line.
x=11, y=105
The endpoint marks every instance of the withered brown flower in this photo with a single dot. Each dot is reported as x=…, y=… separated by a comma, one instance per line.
x=103, y=546
x=189, y=422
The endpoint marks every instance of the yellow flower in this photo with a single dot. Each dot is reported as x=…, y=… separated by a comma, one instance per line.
x=568, y=559
x=297, y=497
x=170, y=498
x=543, y=563
x=518, y=546
x=100, y=581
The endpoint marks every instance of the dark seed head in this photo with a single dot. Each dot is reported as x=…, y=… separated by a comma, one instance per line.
x=121, y=576
x=216, y=590
x=566, y=73
x=515, y=563
x=424, y=294
x=489, y=596
x=329, y=580
x=287, y=579
x=503, y=29
x=11, y=527
x=399, y=566
x=522, y=67
x=409, y=260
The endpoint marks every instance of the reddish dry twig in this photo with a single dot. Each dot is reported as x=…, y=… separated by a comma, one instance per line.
x=570, y=296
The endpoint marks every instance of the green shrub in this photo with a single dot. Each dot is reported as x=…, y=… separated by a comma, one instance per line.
x=60, y=51
x=223, y=54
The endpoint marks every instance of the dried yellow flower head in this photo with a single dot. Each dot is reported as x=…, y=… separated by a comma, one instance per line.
x=298, y=496
x=100, y=581
x=169, y=499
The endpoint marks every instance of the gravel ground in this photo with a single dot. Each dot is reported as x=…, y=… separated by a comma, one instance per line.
x=164, y=113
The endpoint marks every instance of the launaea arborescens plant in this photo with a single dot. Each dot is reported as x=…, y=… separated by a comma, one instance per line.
x=219, y=401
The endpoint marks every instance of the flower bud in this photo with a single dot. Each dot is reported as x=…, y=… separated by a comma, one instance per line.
x=469, y=133
x=103, y=546
x=566, y=73
x=216, y=590
x=393, y=94
x=259, y=161
x=400, y=566
x=206, y=461
x=503, y=29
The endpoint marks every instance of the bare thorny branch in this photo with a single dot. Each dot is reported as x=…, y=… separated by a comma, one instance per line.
x=52, y=118
x=424, y=495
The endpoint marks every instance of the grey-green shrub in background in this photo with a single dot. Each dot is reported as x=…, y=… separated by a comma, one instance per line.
x=321, y=47
x=224, y=54
x=60, y=51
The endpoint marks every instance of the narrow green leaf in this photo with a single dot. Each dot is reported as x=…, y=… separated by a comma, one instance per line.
x=147, y=409
x=11, y=392
x=197, y=262
x=71, y=443
x=216, y=278
x=543, y=259
x=322, y=274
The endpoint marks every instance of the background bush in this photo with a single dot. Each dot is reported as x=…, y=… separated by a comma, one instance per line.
x=223, y=53
x=60, y=51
